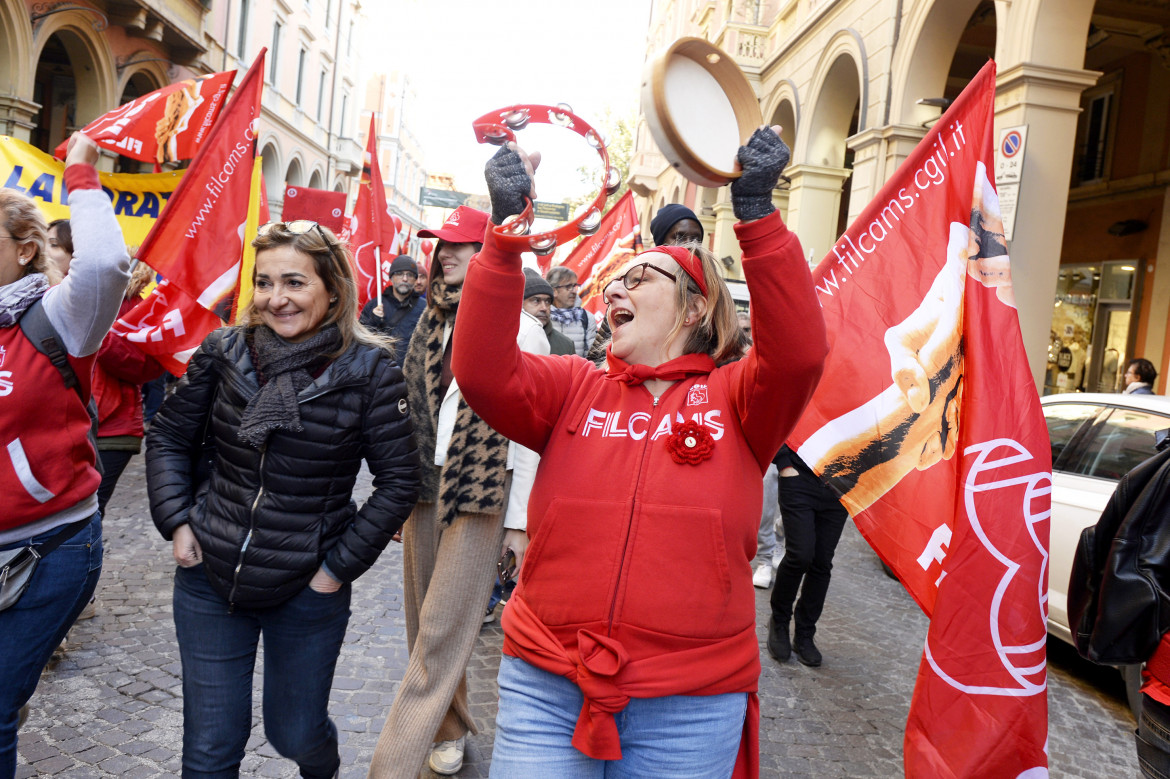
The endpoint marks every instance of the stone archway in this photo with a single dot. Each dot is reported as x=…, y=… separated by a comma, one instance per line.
x=295, y=175
x=271, y=167
x=316, y=180
x=74, y=76
x=922, y=62
x=836, y=110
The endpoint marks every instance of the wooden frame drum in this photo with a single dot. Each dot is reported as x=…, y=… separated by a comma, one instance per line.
x=700, y=109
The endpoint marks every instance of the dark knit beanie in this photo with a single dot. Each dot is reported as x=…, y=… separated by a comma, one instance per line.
x=667, y=217
x=535, y=285
x=403, y=262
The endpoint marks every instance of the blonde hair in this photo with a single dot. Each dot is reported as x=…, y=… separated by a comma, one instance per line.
x=717, y=332
x=333, y=264
x=142, y=275
x=24, y=223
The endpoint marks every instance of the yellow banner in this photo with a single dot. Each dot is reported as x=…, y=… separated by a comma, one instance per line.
x=137, y=198
x=244, y=291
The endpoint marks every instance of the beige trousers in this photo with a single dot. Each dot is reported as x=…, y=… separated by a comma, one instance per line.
x=448, y=575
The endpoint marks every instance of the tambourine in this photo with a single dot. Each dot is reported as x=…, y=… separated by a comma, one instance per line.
x=500, y=127
x=700, y=109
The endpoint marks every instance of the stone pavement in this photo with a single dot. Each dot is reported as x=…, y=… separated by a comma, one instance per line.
x=112, y=706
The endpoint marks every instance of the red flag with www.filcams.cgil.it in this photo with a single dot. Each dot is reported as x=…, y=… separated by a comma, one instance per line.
x=939, y=449
x=198, y=240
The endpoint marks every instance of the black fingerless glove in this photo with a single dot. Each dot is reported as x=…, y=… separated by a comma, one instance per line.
x=508, y=184
x=763, y=159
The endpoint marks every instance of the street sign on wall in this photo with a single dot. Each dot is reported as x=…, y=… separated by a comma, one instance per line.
x=1009, y=169
x=447, y=198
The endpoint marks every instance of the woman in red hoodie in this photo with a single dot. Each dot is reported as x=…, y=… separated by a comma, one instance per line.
x=631, y=635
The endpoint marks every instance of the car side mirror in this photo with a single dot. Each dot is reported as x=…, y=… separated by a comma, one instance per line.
x=1161, y=439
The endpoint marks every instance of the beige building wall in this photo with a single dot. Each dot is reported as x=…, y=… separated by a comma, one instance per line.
x=313, y=85
x=392, y=99
x=845, y=78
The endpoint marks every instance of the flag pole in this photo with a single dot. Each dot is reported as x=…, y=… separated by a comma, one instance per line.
x=378, y=311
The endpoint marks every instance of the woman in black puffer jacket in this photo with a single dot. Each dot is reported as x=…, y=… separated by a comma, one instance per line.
x=250, y=468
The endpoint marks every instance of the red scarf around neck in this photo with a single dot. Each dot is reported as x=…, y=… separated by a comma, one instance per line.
x=673, y=370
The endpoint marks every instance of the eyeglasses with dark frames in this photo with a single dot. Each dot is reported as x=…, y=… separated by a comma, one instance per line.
x=633, y=277
x=567, y=286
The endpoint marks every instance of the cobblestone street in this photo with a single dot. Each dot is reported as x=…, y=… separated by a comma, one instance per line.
x=112, y=706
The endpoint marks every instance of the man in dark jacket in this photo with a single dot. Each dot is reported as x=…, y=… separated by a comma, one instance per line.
x=397, y=313
x=538, y=299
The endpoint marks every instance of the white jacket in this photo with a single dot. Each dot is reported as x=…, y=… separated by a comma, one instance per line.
x=522, y=462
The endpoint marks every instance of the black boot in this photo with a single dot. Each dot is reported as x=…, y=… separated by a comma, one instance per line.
x=806, y=651
x=779, y=647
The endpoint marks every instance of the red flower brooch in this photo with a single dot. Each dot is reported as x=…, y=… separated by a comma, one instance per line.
x=690, y=443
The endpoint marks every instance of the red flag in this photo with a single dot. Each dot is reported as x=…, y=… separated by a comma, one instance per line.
x=318, y=205
x=198, y=239
x=168, y=325
x=371, y=230
x=166, y=125
x=595, y=259
x=928, y=424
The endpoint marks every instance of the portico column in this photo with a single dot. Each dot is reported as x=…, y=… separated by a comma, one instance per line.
x=877, y=153
x=1048, y=100
x=17, y=117
x=814, y=200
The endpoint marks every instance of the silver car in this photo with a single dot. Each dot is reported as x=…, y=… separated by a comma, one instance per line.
x=1096, y=439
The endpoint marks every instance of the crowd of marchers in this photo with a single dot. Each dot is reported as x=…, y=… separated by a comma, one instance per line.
x=473, y=393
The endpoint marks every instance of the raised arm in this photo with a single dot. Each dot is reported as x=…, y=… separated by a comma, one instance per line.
x=85, y=304
x=772, y=384
x=520, y=395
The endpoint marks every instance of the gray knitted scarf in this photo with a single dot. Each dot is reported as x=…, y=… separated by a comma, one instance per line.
x=286, y=368
x=19, y=295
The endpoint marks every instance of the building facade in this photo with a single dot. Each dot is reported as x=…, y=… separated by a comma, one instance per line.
x=392, y=100
x=313, y=85
x=857, y=83
x=64, y=64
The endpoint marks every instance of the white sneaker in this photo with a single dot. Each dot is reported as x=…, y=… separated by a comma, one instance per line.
x=447, y=756
x=489, y=616
x=762, y=578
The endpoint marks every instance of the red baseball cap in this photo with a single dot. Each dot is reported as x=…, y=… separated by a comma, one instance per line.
x=465, y=225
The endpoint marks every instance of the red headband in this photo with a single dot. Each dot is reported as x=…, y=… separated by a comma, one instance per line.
x=688, y=261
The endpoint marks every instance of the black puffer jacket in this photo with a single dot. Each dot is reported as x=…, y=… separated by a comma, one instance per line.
x=293, y=497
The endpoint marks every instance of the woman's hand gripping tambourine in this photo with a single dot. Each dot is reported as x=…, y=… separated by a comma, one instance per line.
x=500, y=127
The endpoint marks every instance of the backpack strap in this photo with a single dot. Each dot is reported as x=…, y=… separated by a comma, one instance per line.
x=37, y=328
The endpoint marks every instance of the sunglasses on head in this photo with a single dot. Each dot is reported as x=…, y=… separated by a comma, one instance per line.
x=299, y=227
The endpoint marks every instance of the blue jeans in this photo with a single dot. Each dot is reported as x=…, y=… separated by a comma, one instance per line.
x=302, y=640
x=1153, y=739
x=674, y=736
x=33, y=627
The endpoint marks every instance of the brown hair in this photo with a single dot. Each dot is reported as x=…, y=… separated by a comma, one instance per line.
x=436, y=272
x=717, y=332
x=64, y=234
x=24, y=223
x=332, y=262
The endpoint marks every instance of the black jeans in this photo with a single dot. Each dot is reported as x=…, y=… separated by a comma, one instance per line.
x=1153, y=739
x=813, y=520
x=113, y=463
